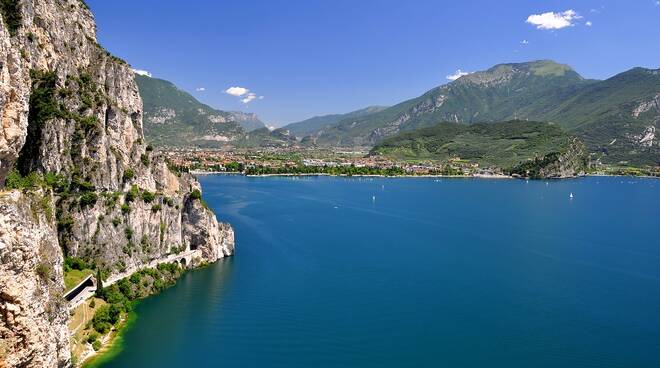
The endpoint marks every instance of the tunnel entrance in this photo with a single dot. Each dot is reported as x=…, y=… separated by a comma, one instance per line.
x=73, y=293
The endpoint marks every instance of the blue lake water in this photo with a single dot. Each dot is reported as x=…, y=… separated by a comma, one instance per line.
x=430, y=273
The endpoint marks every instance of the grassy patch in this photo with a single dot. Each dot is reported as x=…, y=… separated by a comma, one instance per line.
x=79, y=325
x=74, y=277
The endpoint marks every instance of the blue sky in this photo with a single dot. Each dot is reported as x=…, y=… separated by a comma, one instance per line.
x=300, y=58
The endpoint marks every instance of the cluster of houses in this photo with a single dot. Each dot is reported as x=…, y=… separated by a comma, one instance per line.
x=219, y=161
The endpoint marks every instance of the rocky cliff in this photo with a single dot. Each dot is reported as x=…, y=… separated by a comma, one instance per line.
x=568, y=163
x=72, y=132
x=33, y=314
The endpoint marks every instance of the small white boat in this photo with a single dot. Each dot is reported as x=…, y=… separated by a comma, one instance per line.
x=570, y=196
x=373, y=198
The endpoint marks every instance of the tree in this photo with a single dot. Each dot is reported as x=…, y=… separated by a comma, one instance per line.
x=99, y=283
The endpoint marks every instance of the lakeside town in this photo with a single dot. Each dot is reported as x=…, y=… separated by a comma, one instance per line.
x=352, y=161
x=314, y=161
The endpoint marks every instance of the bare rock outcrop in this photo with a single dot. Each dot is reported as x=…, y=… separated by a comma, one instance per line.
x=33, y=314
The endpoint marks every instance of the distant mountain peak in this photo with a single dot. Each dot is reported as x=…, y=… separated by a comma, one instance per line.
x=503, y=73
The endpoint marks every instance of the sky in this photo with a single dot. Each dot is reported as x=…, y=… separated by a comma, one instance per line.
x=288, y=60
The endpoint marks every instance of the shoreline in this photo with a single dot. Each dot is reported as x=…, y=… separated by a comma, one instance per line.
x=113, y=345
x=473, y=176
x=113, y=340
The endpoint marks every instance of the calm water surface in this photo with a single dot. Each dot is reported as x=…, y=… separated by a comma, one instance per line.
x=451, y=272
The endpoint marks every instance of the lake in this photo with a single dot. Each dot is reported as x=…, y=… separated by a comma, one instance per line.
x=416, y=272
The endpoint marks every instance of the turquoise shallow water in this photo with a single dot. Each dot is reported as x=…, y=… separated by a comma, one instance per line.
x=433, y=272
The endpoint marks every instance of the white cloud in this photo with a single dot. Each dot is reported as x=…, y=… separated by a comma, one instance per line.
x=459, y=73
x=248, y=98
x=552, y=20
x=657, y=2
x=200, y=89
x=588, y=24
x=142, y=72
x=251, y=97
x=524, y=42
x=245, y=93
x=237, y=91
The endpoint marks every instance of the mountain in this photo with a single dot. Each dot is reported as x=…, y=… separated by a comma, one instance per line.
x=248, y=121
x=313, y=126
x=174, y=118
x=78, y=182
x=266, y=138
x=616, y=118
x=504, y=144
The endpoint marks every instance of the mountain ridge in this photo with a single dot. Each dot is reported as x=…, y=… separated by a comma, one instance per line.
x=314, y=124
x=175, y=118
x=539, y=90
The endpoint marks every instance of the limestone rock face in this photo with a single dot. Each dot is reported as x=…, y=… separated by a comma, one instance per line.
x=33, y=314
x=69, y=108
x=570, y=163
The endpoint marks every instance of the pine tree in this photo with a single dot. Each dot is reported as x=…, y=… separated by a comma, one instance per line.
x=99, y=283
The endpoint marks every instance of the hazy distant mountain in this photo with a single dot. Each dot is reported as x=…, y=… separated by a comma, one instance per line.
x=617, y=118
x=174, y=118
x=248, y=120
x=313, y=125
x=264, y=137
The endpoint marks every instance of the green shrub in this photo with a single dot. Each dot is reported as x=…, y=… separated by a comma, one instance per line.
x=155, y=208
x=96, y=345
x=129, y=174
x=148, y=196
x=43, y=271
x=125, y=209
x=145, y=159
x=65, y=223
x=93, y=336
x=55, y=181
x=116, y=221
x=11, y=14
x=89, y=122
x=88, y=199
x=75, y=263
x=196, y=194
x=15, y=180
x=132, y=194
x=46, y=207
x=101, y=320
x=150, y=148
x=129, y=233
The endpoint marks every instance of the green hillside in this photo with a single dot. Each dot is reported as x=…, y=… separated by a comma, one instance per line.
x=174, y=118
x=602, y=113
x=504, y=144
x=313, y=126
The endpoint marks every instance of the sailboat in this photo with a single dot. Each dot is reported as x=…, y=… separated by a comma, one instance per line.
x=570, y=196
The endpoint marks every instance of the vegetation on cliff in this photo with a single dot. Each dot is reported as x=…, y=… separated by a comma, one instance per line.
x=11, y=15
